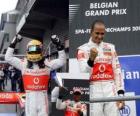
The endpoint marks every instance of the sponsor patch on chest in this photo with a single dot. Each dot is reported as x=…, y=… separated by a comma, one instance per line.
x=36, y=72
x=106, y=49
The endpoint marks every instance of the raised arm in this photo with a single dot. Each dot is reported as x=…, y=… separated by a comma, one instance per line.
x=61, y=60
x=16, y=62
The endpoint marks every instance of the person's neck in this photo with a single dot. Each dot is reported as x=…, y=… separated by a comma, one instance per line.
x=96, y=42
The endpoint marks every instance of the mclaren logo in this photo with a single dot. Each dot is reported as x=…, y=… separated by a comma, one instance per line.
x=36, y=80
x=102, y=68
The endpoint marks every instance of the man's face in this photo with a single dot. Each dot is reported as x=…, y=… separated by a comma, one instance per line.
x=98, y=33
x=77, y=97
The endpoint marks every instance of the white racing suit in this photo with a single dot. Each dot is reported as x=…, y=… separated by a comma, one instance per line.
x=36, y=81
x=105, y=80
x=71, y=107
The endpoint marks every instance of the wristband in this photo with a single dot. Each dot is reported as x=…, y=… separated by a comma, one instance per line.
x=90, y=62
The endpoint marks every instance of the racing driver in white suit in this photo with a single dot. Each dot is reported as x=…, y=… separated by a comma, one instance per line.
x=72, y=107
x=36, y=73
x=101, y=61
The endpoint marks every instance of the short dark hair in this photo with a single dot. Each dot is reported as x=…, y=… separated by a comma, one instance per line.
x=95, y=22
x=77, y=93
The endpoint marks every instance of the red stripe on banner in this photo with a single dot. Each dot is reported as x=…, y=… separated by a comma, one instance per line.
x=10, y=97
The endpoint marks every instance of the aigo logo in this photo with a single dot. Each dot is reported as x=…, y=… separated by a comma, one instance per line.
x=125, y=111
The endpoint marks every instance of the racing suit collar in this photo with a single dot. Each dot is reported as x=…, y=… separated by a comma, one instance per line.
x=91, y=43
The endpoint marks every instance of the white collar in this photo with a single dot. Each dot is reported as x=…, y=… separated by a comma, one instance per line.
x=91, y=43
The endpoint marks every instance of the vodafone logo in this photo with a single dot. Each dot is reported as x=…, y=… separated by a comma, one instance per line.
x=102, y=68
x=36, y=80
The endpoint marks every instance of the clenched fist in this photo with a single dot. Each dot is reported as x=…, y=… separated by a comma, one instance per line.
x=93, y=54
x=55, y=40
x=120, y=104
x=15, y=40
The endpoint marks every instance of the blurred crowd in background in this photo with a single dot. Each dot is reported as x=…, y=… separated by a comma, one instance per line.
x=10, y=79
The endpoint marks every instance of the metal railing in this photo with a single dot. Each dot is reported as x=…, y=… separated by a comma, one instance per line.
x=111, y=99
